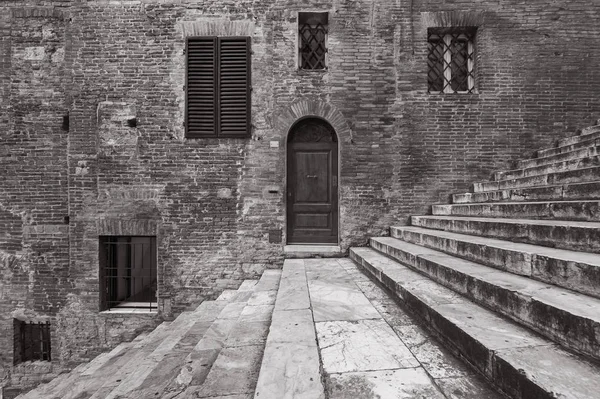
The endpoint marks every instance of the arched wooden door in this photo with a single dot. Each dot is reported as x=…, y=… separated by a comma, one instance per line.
x=312, y=187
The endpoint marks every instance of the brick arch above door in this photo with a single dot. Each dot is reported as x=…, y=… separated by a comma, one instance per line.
x=287, y=117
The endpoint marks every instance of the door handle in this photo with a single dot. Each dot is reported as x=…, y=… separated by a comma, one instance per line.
x=311, y=176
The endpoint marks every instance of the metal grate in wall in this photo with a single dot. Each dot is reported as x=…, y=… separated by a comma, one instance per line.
x=32, y=341
x=312, y=46
x=451, y=61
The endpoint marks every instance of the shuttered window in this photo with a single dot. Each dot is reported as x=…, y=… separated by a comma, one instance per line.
x=218, y=87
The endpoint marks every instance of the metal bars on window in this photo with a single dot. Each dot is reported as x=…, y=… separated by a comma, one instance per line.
x=129, y=272
x=32, y=341
x=312, y=31
x=451, y=60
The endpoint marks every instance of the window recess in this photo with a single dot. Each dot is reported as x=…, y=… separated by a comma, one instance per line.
x=451, y=60
x=312, y=40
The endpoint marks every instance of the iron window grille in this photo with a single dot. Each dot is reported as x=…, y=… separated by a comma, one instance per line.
x=218, y=87
x=451, y=60
x=312, y=33
x=128, y=272
x=31, y=341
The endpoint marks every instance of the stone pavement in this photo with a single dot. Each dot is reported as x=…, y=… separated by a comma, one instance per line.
x=336, y=334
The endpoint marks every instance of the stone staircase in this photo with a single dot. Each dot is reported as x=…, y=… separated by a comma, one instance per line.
x=508, y=276
x=212, y=351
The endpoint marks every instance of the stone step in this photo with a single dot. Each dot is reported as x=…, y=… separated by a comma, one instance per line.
x=564, y=157
x=586, y=133
x=591, y=159
x=583, y=141
x=548, y=179
x=577, y=271
x=573, y=235
x=569, y=318
x=146, y=376
x=519, y=362
x=551, y=210
x=574, y=191
x=290, y=366
x=235, y=367
x=99, y=381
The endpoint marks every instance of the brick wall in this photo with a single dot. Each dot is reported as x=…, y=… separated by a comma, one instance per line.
x=211, y=203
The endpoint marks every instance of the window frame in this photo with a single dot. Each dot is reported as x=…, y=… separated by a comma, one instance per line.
x=447, y=35
x=23, y=338
x=109, y=281
x=324, y=15
x=189, y=134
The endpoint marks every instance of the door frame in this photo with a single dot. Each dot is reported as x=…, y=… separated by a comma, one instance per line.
x=285, y=176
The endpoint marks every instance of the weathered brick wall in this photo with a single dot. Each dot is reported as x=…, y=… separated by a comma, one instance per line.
x=212, y=202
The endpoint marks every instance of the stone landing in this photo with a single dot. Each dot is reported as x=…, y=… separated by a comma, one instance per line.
x=336, y=334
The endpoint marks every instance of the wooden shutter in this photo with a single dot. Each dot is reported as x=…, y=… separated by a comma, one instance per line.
x=234, y=87
x=201, y=104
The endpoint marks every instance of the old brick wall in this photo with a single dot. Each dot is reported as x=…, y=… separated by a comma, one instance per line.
x=212, y=202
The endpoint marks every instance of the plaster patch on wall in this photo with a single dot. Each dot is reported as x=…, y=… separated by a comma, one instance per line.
x=216, y=27
x=116, y=134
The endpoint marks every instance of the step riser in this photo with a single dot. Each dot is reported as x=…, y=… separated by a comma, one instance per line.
x=575, y=238
x=503, y=374
x=580, y=277
x=586, y=134
x=572, y=176
x=583, y=211
x=566, y=192
x=580, y=332
x=592, y=159
x=568, y=156
x=585, y=142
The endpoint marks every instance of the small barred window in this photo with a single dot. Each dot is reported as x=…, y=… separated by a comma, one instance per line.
x=451, y=60
x=312, y=32
x=31, y=341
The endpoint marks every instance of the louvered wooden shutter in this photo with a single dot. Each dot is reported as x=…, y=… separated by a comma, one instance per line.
x=218, y=89
x=234, y=86
x=201, y=104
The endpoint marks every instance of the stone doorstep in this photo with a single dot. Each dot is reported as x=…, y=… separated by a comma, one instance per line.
x=569, y=318
x=550, y=233
x=548, y=179
x=563, y=157
x=576, y=191
x=577, y=271
x=589, y=159
x=312, y=251
x=586, y=141
x=519, y=362
x=553, y=210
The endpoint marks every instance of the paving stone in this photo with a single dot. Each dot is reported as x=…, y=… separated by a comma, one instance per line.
x=293, y=288
x=334, y=302
x=471, y=387
x=361, y=345
x=293, y=326
x=248, y=333
x=234, y=372
x=290, y=370
x=257, y=313
x=409, y=383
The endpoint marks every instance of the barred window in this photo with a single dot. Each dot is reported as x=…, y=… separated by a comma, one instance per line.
x=31, y=341
x=312, y=40
x=218, y=87
x=451, y=60
x=128, y=272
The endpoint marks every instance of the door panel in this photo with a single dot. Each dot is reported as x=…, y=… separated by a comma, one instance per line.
x=312, y=193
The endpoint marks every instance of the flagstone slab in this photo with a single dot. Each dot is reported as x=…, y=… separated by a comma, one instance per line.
x=290, y=371
x=257, y=313
x=408, y=383
x=361, y=345
x=333, y=302
x=293, y=288
x=248, y=333
x=471, y=387
x=234, y=372
x=293, y=326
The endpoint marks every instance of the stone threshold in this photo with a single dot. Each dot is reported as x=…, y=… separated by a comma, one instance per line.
x=313, y=251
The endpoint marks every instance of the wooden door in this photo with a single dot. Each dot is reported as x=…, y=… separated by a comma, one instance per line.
x=312, y=193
